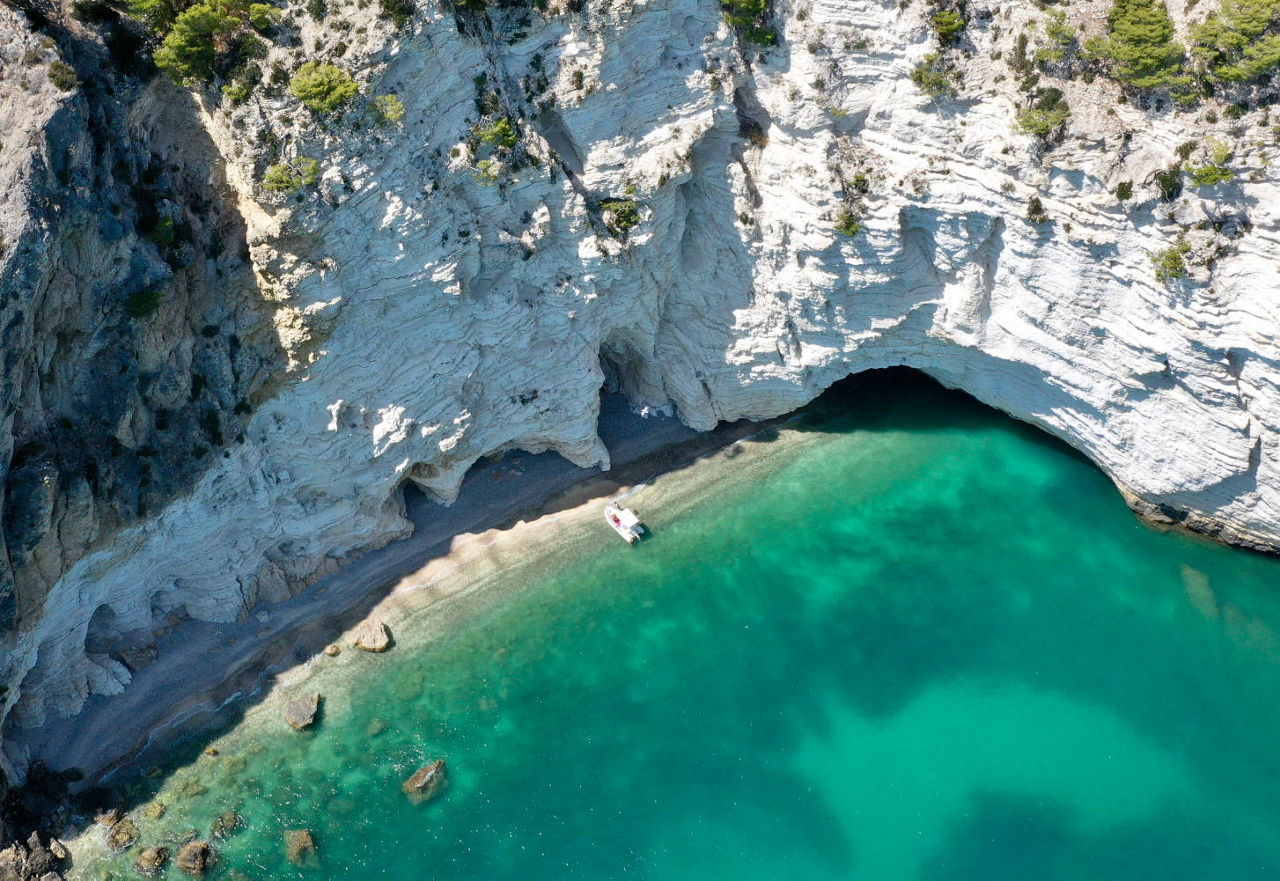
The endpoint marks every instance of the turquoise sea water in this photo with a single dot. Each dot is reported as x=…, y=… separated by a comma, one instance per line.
x=908, y=639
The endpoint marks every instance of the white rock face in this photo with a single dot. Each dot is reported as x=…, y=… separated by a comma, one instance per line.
x=435, y=316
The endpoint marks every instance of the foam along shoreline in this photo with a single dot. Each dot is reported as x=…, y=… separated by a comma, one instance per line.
x=201, y=669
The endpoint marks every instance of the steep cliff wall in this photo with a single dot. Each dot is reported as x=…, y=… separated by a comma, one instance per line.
x=130, y=322
x=443, y=296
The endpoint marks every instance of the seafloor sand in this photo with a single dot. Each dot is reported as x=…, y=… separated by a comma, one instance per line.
x=201, y=668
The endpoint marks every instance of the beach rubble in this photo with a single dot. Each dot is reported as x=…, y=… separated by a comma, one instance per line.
x=372, y=636
x=301, y=712
x=426, y=782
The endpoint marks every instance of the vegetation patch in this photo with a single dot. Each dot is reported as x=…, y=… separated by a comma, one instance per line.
x=750, y=18
x=949, y=26
x=1035, y=211
x=934, y=77
x=289, y=177
x=1170, y=262
x=620, y=215
x=63, y=76
x=143, y=302
x=322, y=88
x=1124, y=190
x=1240, y=42
x=1140, y=49
x=848, y=223
x=500, y=133
x=387, y=110
x=1046, y=118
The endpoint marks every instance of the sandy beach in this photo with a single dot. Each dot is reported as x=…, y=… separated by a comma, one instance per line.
x=206, y=675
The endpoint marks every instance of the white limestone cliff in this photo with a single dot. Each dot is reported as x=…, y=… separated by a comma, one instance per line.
x=435, y=315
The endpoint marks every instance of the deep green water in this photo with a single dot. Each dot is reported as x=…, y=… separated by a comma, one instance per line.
x=929, y=644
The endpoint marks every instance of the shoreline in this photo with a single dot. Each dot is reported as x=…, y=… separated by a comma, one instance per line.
x=223, y=670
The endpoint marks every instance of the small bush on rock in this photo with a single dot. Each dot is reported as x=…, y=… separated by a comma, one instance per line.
x=323, y=88
x=289, y=177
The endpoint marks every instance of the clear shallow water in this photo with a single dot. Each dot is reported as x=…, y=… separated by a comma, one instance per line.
x=911, y=640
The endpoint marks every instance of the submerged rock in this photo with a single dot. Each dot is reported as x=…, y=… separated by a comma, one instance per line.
x=152, y=860
x=225, y=824
x=194, y=857
x=301, y=712
x=426, y=782
x=108, y=818
x=372, y=636
x=154, y=811
x=122, y=835
x=300, y=847
x=332, y=651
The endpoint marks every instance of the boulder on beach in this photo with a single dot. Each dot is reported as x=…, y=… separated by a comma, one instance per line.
x=372, y=636
x=152, y=860
x=122, y=835
x=225, y=824
x=301, y=712
x=426, y=782
x=194, y=857
x=108, y=818
x=300, y=847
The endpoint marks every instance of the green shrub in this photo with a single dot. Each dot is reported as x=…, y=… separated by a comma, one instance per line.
x=1239, y=42
x=1169, y=262
x=388, y=110
x=1046, y=117
x=189, y=49
x=848, y=223
x=750, y=19
x=933, y=77
x=1140, y=47
x=499, y=133
x=1035, y=211
x=317, y=9
x=949, y=24
x=1061, y=39
x=323, y=88
x=143, y=302
x=289, y=177
x=398, y=12
x=63, y=76
x=620, y=215
x=263, y=16
x=1169, y=183
x=1210, y=174
x=237, y=92
x=1124, y=190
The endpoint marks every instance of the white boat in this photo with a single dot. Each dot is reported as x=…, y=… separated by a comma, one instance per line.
x=624, y=522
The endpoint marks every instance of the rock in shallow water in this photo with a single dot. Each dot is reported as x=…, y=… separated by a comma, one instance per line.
x=225, y=824
x=372, y=636
x=122, y=835
x=152, y=860
x=194, y=857
x=301, y=712
x=426, y=782
x=300, y=847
